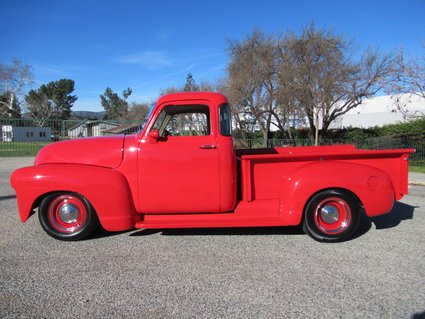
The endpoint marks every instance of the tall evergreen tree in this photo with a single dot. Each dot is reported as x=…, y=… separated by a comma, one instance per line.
x=116, y=107
x=190, y=85
x=54, y=98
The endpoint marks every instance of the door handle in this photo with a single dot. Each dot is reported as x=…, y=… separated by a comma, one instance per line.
x=208, y=147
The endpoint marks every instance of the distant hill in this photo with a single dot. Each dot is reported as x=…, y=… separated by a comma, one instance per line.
x=77, y=115
x=87, y=115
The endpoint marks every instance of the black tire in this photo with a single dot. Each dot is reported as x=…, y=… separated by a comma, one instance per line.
x=332, y=216
x=67, y=216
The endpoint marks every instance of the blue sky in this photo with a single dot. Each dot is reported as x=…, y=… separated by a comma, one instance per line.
x=149, y=45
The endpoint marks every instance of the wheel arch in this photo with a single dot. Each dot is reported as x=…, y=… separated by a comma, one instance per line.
x=40, y=198
x=106, y=189
x=311, y=179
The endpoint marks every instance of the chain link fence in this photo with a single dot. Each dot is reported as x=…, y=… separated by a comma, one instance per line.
x=25, y=137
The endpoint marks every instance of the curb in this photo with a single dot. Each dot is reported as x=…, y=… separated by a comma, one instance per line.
x=413, y=182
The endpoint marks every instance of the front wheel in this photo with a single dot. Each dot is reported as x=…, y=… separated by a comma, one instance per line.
x=67, y=216
x=331, y=216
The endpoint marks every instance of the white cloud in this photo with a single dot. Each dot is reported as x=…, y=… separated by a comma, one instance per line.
x=46, y=73
x=168, y=75
x=149, y=59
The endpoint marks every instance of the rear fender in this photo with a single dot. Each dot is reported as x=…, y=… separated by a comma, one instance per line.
x=371, y=186
x=106, y=189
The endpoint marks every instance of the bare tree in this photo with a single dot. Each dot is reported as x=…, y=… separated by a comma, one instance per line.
x=407, y=84
x=40, y=107
x=320, y=79
x=169, y=90
x=206, y=86
x=251, y=83
x=13, y=80
x=137, y=112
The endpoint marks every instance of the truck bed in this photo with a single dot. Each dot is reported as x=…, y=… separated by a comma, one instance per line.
x=259, y=178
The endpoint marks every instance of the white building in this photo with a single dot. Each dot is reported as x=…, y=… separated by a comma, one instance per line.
x=25, y=134
x=378, y=111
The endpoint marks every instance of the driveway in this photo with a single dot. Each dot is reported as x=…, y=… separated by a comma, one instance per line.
x=230, y=273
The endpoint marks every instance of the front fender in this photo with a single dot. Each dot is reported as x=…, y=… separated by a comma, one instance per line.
x=372, y=187
x=105, y=188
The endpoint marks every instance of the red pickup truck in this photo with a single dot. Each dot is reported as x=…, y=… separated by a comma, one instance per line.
x=181, y=170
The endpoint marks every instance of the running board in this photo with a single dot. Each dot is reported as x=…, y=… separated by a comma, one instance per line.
x=258, y=213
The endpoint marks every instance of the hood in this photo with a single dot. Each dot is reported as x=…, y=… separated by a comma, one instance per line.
x=100, y=151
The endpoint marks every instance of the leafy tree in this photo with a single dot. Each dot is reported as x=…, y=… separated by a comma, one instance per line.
x=13, y=80
x=116, y=107
x=52, y=100
x=60, y=93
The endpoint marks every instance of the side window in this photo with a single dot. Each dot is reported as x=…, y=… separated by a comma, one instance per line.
x=160, y=120
x=183, y=120
x=225, y=120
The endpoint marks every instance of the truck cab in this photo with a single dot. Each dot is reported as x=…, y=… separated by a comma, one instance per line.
x=186, y=152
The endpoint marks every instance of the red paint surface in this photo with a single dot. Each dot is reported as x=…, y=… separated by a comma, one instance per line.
x=191, y=181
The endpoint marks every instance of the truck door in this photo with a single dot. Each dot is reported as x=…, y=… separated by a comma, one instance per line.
x=179, y=170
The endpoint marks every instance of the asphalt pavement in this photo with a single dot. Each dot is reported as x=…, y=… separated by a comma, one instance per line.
x=217, y=273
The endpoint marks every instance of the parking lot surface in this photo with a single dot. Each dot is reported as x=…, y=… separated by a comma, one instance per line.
x=217, y=273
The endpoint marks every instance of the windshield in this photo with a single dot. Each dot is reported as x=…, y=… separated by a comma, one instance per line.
x=145, y=120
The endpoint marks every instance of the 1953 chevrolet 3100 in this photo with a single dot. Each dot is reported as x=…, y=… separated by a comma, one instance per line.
x=182, y=171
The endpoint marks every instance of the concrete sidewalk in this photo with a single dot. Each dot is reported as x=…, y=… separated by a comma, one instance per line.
x=417, y=179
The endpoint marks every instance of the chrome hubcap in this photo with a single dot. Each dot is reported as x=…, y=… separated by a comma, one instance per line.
x=332, y=216
x=69, y=213
x=329, y=214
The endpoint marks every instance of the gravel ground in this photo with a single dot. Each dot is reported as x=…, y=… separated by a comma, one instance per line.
x=235, y=273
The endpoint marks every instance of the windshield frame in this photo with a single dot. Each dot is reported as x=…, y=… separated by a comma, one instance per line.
x=147, y=117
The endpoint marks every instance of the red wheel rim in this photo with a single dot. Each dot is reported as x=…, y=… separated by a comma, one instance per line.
x=332, y=216
x=67, y=214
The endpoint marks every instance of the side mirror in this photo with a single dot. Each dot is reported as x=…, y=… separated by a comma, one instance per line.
x=153, y=137
x=154, y=134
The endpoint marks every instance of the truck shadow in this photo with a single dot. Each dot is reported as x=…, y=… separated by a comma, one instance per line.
x=7, y=197
x=244, y=231
x=418, y=315
x=399, y=213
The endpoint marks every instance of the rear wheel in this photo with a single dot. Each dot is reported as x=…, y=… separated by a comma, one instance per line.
x=331, y=216
x=67, y=216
